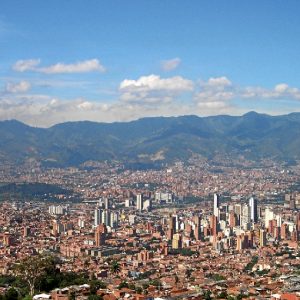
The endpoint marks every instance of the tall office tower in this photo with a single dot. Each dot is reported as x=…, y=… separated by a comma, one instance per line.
x=106, y=203
x=283, y=231
x=232, y=219
x=97, y=216
x=269, y=215
x=177, y=241
x=245, y=218
x=114, y=219
x=171, y=227
x=172, y=223
x=139, y=202
x=262, y=238
x=214, y=226
x=253, y=209
x=105, y=217
x=216, y=205
x=298, y=221
x=100, y=235
x=147, y=205
x=197, y=230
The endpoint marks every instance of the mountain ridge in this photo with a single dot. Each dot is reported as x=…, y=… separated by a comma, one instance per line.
x=162, y=139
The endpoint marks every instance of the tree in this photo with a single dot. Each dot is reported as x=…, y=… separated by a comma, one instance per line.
x=31, y=269
x=11, y=294
x=123, y=284
x=207, y=295
x=95, y=297
x=115, y=267
x=188, y=273
x=95, y=285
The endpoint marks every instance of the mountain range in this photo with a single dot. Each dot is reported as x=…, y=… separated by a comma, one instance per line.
x=155, y=139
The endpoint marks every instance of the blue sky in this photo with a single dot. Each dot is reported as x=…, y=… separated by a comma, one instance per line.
x=122, y=60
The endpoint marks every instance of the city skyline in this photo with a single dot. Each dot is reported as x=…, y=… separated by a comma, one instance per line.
x=122, y=61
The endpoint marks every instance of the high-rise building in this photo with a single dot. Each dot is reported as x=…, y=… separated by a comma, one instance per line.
x=177, y=241
x=253, y=209
x=283, y=231
x=262, y=238
x=106, y=203
x=100, y=235
x=214, y=226
x=245, y=217
x=216, y=205
x=114, y=219
x=269, y=215
x=106, y=214
x=97, y=216
x=197, y=227
x=147, y=205
x=232, y=219
x=139, y=202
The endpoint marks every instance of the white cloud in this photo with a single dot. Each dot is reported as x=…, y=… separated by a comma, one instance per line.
x=171, y=64
x=92, y=65
x=146, y=96
x=154, y=82
x=26, y=65
x=216, y=92
x=218, y=82
x=153, y=89
x=221, y=91
x=280, y=91
x=20, y=87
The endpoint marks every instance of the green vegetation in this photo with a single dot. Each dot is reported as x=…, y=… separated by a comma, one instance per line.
x=251, y=264
x=149, y=142
x=115, y=267
x=39, y=273
x=32, y=191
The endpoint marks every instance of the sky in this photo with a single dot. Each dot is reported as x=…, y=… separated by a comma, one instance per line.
x=109, y=61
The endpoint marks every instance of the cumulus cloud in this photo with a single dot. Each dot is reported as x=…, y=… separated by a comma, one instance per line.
x=217, y=82
x=280, y=91
x=220, y=92
x=20, y=87
x=215, y=93
x=171, y=64
x=154, y=89
x=145, y=96
x=92, y=65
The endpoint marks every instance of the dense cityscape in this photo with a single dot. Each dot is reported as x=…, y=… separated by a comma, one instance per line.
x=197, y=230
x=149, y=150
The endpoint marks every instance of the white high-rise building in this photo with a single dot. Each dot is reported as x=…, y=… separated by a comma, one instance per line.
x=269, y=215
x=97, y=216
x=139, y=202
x=106, y=217
x=216, y=205
x=253, y=209
x=246, y=217
x=106, y=203
x=147, y=204
x=114, y=219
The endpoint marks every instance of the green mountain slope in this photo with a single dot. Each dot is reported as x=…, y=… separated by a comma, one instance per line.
x=156, y=139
